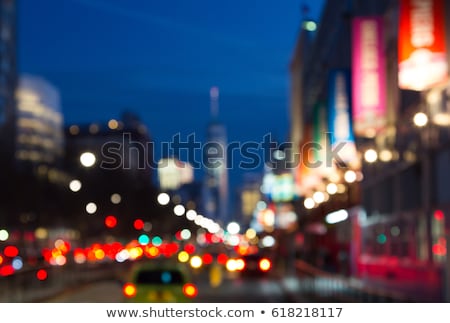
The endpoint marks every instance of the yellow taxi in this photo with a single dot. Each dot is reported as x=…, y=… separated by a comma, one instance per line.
x=154, y=282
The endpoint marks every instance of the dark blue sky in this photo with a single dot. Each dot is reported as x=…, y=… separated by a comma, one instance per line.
x=159, y=58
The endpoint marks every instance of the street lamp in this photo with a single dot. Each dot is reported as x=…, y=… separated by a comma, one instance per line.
x=91, y=208
x=420, y=119
x=370, y=155
x=163, y=198
x=233, y=228
x=179, y=210
x=87, y=159
x=75, y=185
x=4, y=235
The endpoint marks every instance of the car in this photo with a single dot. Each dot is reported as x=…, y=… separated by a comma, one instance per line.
x=250, y=265
x=154, y=282
x=256, y=264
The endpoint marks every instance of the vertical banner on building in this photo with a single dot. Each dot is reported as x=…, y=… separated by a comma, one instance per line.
x=321, y=140
x=339, y=117
x=421, y=44
x=368, y=77
x=306, y=177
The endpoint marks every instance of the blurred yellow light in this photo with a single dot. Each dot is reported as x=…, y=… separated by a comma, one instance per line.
x=153, y=251
x=113, y=124
x=99, y=254
x=196, y=262
x=183, y=256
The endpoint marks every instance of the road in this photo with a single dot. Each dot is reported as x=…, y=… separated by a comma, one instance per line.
x=230, y=291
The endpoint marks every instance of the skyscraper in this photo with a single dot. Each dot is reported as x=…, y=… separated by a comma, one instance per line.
x=8, y=80
x=39, y=123
x=8, y=83
x=215, y=194
x=8, y=66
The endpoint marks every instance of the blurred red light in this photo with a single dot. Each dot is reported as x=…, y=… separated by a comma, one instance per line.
x=11, y=251
x=439, y=215
x=207, y=259
x=41, y=274
x=138, y=224
x=110, y=221
x=222, y=259
x=6, y=270
x=439, y=250
x=189, y=248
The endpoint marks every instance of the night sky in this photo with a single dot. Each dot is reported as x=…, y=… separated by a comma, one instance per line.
x=159, y=59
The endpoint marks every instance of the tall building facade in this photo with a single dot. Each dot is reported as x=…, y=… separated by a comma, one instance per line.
x=8, y=84
x=216, y=191
x=396, y=202
x=39, y=123
x=8, y=58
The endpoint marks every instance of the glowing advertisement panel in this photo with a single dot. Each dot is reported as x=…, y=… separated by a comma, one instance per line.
x=320, y=137
x=421, y=44
x=339, y=116
x=368, y=77
x=306, y=176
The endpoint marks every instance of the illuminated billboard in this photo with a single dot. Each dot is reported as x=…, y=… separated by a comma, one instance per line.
x=421, y=44
x=368, y=77
x=283, y=189
x=172, y=173
x=339, y=116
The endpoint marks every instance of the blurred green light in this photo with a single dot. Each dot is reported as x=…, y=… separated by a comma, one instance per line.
x=310, y=25
x=157, y=241
x=381, y=238
x=144, y=239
